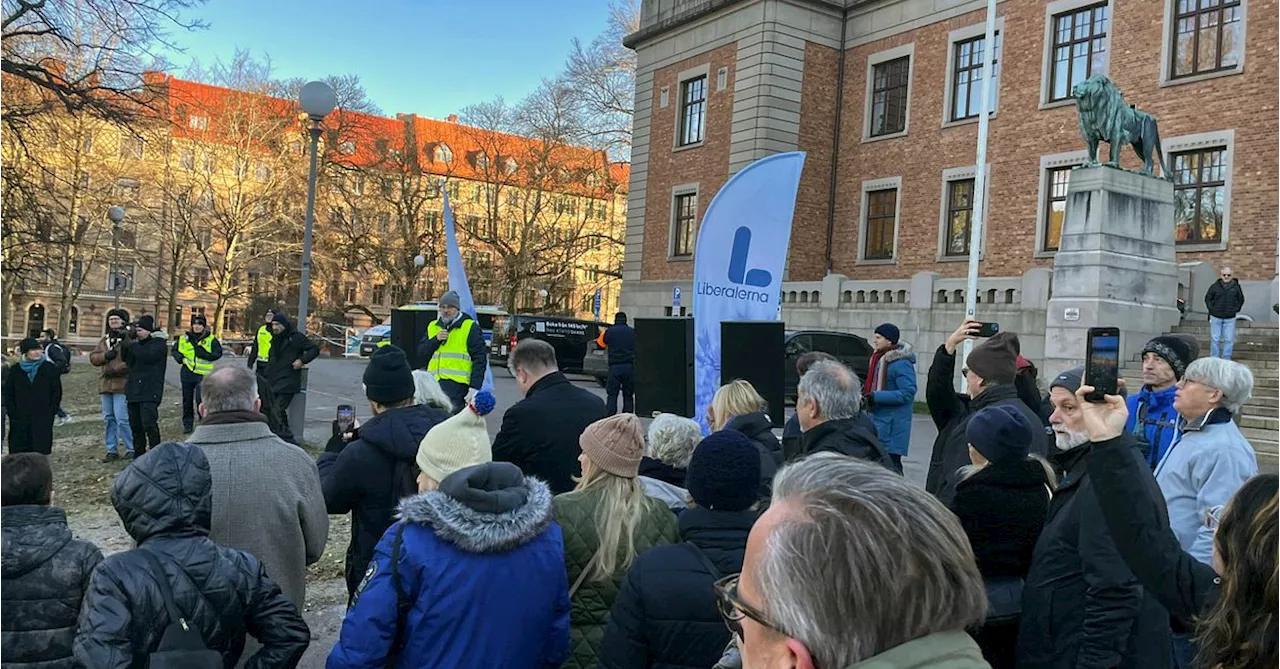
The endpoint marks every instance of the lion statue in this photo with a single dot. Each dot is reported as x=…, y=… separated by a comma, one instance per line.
x=1104, y=116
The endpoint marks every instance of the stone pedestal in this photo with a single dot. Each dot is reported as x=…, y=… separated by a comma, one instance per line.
x=1115, y=265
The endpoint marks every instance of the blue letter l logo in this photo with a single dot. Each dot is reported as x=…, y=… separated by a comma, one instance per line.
x=738, y=262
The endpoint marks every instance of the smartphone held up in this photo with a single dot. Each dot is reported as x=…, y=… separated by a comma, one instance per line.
x=1102, y=363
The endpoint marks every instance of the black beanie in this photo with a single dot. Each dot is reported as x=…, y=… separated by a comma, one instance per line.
x=995, y=359
x=199, y=319
x=388, y=379
x=124, y=315
x=1174, y=350
x=889, y=331
x=147, y=322
x=724, y=472
x=1000, y=433
x=29, y=344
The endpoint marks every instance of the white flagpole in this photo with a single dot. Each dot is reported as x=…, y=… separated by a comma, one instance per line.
x=980, y=178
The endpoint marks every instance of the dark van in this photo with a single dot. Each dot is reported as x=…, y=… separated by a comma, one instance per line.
x=850, y=349
x=568, y=336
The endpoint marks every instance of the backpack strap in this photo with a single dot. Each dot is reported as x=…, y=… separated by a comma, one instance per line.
x=702, y=557
x=166, y=590
x=583, y=576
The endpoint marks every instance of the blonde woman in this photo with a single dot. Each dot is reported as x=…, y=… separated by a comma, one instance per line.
x=606, y=520
x=737, y=406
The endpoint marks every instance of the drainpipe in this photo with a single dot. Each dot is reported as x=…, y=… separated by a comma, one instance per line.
x=835, y=144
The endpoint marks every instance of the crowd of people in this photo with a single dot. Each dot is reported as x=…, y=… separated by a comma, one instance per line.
x=1052, y=531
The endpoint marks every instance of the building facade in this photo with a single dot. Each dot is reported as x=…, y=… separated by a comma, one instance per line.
x=883, y=96
x=214, y=186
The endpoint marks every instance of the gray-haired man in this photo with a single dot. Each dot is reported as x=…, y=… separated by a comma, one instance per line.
x=266, y=491
x=828, y=406
x=455, y=351
x=901, y=592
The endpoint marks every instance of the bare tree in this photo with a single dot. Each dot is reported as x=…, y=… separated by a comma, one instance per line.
x=85, y=56
x=602, y=78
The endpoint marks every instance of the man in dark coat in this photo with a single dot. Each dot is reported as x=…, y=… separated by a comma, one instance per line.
x=990, y=372
x=540, y=432
x=164, y=501
x=32, y=393
x=145, y=352
x=620, y=343
x=1081, y=606
x=1223, y=300
x=45, y=571
x=367, y=475
x=58, y=354
x=290, y=350
x=665, y=615
x=828, y=404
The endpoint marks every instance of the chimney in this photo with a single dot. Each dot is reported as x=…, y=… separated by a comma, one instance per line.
x=453, y=118
x=152, y=77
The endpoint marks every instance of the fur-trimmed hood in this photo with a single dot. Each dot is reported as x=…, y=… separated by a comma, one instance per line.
x=489, y=508
x=901, y=351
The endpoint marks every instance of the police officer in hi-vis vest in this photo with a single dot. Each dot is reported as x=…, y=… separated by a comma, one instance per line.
x=455, y=351
x=195, y=351
x=257, y=354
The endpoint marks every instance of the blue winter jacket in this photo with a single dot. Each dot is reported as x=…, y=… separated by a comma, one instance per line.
x=1208, y=462
x=483, y=563
x=1159, y=421
x=894, y=398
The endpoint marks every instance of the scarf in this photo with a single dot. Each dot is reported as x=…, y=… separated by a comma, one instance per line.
x=233, y=417
x=31, y=366
x=871, y=373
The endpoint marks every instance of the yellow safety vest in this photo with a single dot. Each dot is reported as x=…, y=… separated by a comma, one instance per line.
x=264, y=343
x=451, y=361
x=384, y=342
x=189, y=358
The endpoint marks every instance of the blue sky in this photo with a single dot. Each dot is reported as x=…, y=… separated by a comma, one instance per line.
x=431, y=57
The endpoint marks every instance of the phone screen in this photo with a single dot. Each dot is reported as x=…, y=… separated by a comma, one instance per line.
x=1103, y=366
x=346, y=415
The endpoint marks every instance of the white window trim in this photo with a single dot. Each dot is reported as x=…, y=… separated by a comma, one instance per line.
x=874, y=59
x=703, y=70
x=1204, y=140
x=960, y=35
x=867, y=187
x=959, y=174
x=1166, y=51
x=1042, y=195
x=681, y=189
x=1046, y=68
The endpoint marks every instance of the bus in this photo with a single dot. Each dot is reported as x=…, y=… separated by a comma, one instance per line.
x=568, y=336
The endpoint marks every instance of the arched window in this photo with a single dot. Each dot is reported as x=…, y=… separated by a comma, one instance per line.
x=902, y=296
x=73, y=324
x=35, y=319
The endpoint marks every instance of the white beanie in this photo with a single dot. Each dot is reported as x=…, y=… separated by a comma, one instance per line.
x=458, y=442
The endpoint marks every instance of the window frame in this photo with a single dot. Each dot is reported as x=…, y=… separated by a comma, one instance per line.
x=682, y=80
x=677, y=195
x=1047, y=163
x=1051, y=12
x=1223, y=139
x=908, y=51
x=954, y=38
x=1168, y=50
x=966, y=173
x=864, y=223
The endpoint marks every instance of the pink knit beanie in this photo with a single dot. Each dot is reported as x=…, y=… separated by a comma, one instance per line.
x=615, y=444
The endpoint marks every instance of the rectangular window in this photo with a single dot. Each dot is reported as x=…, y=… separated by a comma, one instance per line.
x=127, y=235
x=686, y=225
x=693, y=110
x=889, y=96
x=966, y=77
x=126, y=190
x=1055, y=205
x=131, y=147
x=120, y=278
x=1199, y=195
x=255, y=282
x=187, y=159
x=1079, y=48
x=959, y=216
x=261, y=172
x=379, y=293
x=882, y=208
x=1206, y=36
x=349, y=292
x=198, y=122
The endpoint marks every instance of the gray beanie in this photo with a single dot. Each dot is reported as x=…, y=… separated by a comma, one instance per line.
x=450, y=299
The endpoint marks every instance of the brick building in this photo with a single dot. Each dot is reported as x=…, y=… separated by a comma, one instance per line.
x=883, y=95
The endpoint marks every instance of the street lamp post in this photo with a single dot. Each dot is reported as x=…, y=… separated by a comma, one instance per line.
x=116, y=214
x=317, y=100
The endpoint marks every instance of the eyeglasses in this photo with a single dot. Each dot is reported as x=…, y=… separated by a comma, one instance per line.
x=733, y=609
x=1213, y=517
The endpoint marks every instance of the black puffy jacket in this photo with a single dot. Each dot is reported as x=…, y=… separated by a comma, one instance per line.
x=1224, y=300
x=287, y=346
x=46, y=573
x=1002, y=508
x=846, y=436
x=360, y=478
x=164, y=502
x=1081, y=607
x=665, y=614
x=146, y=359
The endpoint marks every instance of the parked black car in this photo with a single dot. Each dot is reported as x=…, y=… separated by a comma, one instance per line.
x=850, y=349
x=570, y=337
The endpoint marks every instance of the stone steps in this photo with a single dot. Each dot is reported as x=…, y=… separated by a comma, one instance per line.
x=1242, y=330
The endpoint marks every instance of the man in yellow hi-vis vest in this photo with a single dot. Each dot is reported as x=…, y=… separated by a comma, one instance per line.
x=455, y=351
x=257, y=355
x=195, y=351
